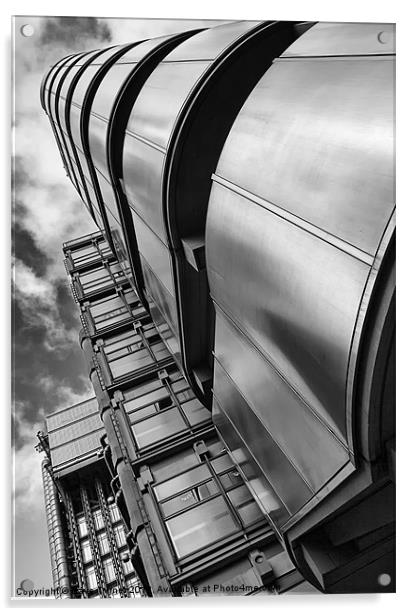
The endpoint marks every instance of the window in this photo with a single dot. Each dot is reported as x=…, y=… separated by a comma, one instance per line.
x=201, y=526
x=154, y=416
x=120, y=536
x=86, y=551
x=195, y=412
x=103, y=543
x=158, y=427
x=203, y=504
x=126, y=565
x=188, y=498
x=114, y=512
x=98, y=519
x=138, y=397
x=81, y=526
x=94, y=280
x=113, y=309
x=91, y=580
x=126, y=353
x=109, y=570
x=247, y=508
x=184, y=480
x=164, y=403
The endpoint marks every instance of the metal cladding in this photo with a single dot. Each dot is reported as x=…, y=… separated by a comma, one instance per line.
x=244, y=175
x=189, y=516
x=300, y=216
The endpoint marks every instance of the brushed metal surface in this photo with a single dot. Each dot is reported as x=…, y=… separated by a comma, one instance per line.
x=63, y=107
x=308, y=445
x=279, y=284
x=106, y=96
x=344, y=39
x=155, y=135
x=208, y=44
x=253, y=473
x=46, y=87
x=54, y=96
x=83, y=99
x=323, y=132
x=301, y=198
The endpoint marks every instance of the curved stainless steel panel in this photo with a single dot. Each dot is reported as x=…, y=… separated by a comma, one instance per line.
x=47, y=80
x=54, y=91
x=167, y=186
x=332, y=146
x=96, y=122
x=45, y=100
x=106, y=96
x=345, y=39
x=301, y=198
x=64, y=106
x=88, y=80
x=289, y=270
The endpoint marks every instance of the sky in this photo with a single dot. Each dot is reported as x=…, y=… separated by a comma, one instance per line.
x=48, y=368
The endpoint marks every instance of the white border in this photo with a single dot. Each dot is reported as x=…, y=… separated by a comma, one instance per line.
x=348, y=10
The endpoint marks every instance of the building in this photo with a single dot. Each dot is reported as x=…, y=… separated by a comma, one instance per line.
x=243, y=178
x=88, y=546
x=189, y=523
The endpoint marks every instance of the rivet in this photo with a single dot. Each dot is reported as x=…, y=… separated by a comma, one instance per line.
x=27, y=30
x=383, y=37
x=384, y=579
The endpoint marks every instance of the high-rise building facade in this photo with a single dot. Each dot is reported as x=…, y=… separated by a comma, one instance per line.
x=88, y=546
x=243, y=178
x=189, y=522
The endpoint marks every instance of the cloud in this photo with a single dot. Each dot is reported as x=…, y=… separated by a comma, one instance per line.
x=27, y=477
x=37, y=298
x=129, y=30
x=49, y=371
x=74, y=32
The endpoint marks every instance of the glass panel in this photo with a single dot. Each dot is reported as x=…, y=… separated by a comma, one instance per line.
x=159, y=427
x=222, y=463
x=180, y=386
x=102, y=307
x=91, y=578
x=185, y=500
x=114, y=513
x=248, y=509
x=81, y=526
x=86, y=551
x=160, y=351
x=195, y=412
x=142, y=401
x=103, y=543
x=120, y=536
x=109, y=570
x=129, y=363
x=175, y=464
x=142, y=413
x=127, y=566
x=98, y=519
x=120, y=341
x=201, y=526
x=231, y=479
x=182, y=481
